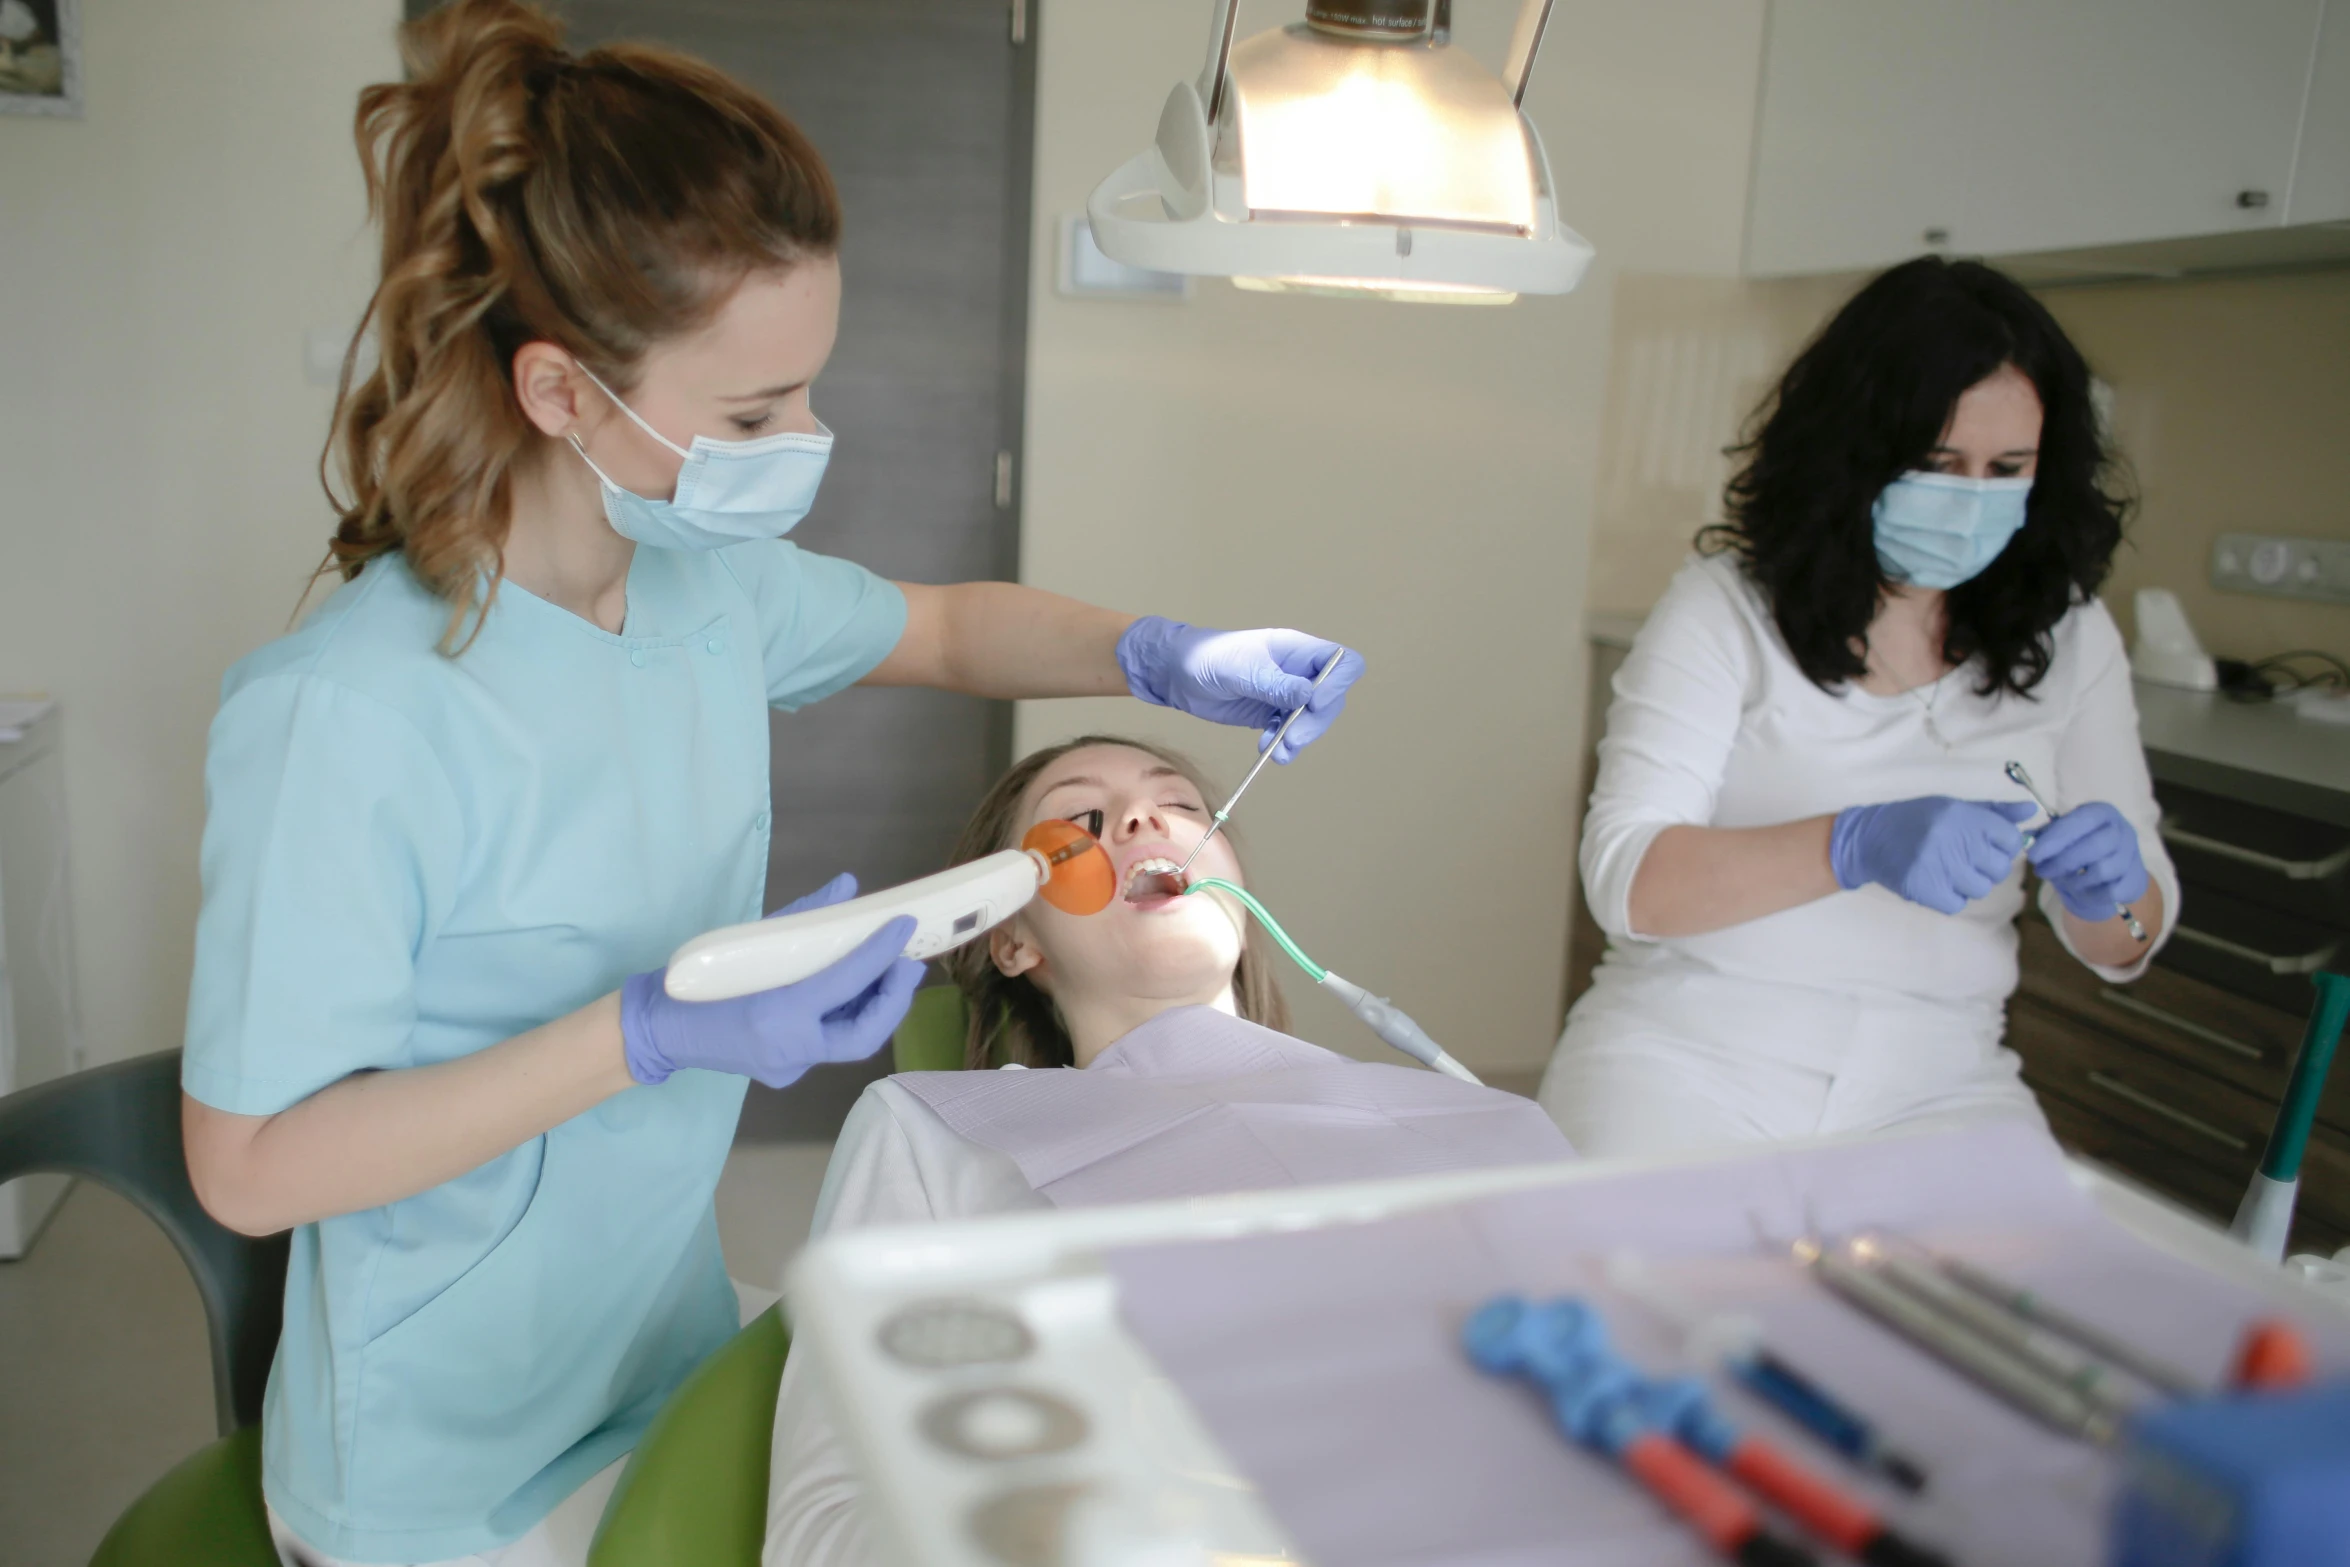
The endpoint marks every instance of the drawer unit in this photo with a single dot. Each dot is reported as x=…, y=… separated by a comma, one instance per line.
x=2195, y=1024
x=2173, y=1082
x=2290, y=864
x=2190, y=1136
x=2266, y=896
x=2254, y=951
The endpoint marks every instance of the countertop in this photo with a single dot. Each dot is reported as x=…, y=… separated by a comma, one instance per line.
x=2260, y=752
x=2257, y=752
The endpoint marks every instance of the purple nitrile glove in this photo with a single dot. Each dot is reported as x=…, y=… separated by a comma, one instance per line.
x=1934, y=850
x=2090, y=855
x=842, y=1013
x=1254, y=679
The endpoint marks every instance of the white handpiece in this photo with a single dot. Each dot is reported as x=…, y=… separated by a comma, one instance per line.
x=948, y=909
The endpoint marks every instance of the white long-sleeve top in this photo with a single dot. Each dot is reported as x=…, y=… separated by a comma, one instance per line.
x=1714, y=725
x=896, y=1162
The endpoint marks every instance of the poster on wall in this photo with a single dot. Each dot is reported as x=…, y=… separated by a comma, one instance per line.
x=40, y=57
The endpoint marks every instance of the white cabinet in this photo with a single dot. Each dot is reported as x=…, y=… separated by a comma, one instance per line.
x=2321, y=176
x=40, y=1037
x=2002, y=127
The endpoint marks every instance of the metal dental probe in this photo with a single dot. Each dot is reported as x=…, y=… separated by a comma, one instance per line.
x=1274, y=745
x=2023, y=780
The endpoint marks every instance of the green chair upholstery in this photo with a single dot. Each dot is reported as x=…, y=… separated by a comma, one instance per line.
x=207, y=1512
x=931, y=1037
x=695, y=1490
x=119, y=1125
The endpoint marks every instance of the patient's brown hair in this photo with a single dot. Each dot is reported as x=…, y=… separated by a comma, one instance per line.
x=1011, y=1020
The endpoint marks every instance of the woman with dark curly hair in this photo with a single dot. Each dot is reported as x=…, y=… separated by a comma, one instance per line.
x=1802, y=844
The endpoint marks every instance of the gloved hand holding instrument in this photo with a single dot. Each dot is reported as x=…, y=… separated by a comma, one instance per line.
x=1255, y=679
x=1936, y=851
x=2090, y=855
x=841, y=1013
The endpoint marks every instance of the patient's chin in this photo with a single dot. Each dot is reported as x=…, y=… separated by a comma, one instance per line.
x=1166, y=959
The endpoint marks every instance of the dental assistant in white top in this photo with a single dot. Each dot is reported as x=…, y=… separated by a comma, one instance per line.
x=1802, y=844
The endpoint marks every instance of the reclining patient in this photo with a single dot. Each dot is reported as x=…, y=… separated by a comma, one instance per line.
x=1142, y=1058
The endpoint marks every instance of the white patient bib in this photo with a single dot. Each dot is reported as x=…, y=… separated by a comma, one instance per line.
x=1197, y=1102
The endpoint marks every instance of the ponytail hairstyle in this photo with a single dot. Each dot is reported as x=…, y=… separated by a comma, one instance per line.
x=601, y=202
x=1010, y=1019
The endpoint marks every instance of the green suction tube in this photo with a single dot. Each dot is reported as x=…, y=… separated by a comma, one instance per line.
x=1384, y=1018
x=2265, y=1218
x=1272, y=926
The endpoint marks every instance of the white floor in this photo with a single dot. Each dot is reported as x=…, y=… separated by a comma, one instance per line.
x=104, y=1377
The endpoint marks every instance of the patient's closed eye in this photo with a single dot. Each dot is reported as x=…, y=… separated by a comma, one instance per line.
x=1091, y=821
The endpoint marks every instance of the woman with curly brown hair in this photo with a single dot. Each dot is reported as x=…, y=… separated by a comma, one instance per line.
x=460, y=817
x=1803, y=843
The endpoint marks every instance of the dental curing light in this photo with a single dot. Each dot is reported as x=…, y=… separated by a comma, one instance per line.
x=1358, y=152
x=1058, y=861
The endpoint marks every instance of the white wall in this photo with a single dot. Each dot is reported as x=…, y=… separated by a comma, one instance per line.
x=1415, y=480
x=159, y=262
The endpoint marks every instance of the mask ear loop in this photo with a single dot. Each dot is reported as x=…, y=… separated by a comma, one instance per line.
x=634, y=417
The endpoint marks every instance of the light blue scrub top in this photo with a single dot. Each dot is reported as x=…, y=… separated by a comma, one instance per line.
x=410, y=856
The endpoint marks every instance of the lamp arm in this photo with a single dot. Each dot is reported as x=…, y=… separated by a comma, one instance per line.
x=1525, y=44
x=1218, y=72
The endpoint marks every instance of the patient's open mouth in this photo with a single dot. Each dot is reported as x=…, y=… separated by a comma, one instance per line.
x=1154, y=881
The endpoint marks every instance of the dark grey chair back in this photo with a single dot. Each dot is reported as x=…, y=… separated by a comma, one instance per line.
x=119, y=1125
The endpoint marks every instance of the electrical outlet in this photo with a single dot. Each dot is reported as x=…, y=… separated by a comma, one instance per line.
x=2282, y=568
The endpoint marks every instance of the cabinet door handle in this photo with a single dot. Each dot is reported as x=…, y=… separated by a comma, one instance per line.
x=2187, y=1026
x=2146, y=1101
x=2291, y=870
x=2303, y=963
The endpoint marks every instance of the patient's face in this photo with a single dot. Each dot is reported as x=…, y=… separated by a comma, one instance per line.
x=1150, y=942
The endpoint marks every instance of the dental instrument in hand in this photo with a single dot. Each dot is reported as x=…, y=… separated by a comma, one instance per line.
x=2023, y=780
x=1058, y=861
x=1389, y=1021
x=1263, y=757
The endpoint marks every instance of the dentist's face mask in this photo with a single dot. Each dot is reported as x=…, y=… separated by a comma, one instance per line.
x=727, y=492
x=1937, y=530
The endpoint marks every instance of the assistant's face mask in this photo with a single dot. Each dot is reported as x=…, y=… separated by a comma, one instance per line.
x=727, y=492
x=1937, y=530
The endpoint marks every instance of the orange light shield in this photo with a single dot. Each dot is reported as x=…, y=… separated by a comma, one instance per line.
x=1083, y=879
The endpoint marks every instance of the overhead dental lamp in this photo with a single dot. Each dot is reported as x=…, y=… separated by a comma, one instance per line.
x=1356, y=152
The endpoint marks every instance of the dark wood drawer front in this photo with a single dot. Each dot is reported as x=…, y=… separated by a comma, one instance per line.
x=2287, y=863
x=2197, y=1024
x=2252, y=951
x=2194, y=1116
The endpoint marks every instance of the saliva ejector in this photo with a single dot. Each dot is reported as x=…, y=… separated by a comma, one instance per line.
x=1384, y=1018
x=1058, y=861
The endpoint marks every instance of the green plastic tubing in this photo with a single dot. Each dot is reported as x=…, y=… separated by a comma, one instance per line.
x=1272, y=925
x=2290, y=1136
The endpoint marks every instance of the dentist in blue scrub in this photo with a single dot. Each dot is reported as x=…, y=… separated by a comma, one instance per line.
x=460, y=817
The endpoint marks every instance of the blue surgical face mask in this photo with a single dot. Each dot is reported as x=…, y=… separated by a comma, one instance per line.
x=1937, y=530
x=727, y=492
